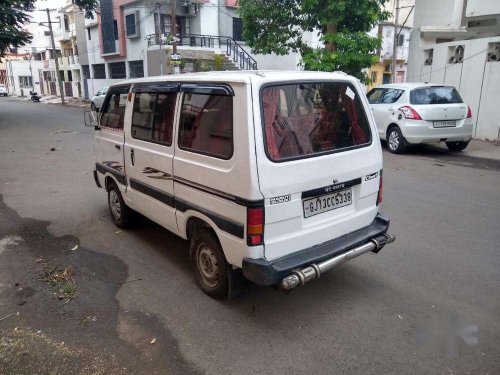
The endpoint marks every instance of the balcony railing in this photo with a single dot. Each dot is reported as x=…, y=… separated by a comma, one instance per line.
x=227, y=44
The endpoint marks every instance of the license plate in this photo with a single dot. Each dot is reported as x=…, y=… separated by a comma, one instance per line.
x=445, y=124
x=328, y=202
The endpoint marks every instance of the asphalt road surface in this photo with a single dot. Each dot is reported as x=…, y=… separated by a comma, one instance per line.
x=430, y=303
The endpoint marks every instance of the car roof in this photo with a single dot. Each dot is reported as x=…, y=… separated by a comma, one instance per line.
x=409, y=85
x=245, y=76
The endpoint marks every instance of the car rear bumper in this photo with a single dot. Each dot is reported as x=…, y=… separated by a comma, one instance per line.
x=264, y=272
x=423, y=132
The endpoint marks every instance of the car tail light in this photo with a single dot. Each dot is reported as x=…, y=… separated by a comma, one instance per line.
x=410, y=113
x=255, y=226
x=469, y=112
x=380, y=195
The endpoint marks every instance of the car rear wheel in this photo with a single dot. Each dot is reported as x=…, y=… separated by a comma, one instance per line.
x=214, y=275
x=120, y=213
x=395, y=141
x=457, y=146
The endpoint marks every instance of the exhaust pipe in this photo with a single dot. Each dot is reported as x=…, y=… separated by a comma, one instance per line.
x=314, y=271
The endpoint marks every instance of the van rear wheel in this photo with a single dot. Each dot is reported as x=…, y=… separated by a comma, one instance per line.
x=214, y=275
x=120, y=213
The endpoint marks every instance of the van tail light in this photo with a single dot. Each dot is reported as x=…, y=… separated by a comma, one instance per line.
x=255, y=226
x=380, y=195
x=410, y=113
x=469, y=112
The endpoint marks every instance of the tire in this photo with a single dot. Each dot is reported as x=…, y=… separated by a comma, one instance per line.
x=396, y=143
x=457, y=146
x=119, y=211
x=214, y=275
x=93, y=107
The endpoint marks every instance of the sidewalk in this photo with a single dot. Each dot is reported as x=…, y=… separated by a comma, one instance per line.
x=483, y=150
x=51, y=99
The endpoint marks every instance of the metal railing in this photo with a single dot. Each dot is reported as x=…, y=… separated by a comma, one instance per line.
x=225, y=43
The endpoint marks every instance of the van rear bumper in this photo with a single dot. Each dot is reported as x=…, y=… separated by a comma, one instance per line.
x=264, y=272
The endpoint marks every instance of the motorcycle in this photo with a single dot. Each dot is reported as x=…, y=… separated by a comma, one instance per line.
x=35, y=98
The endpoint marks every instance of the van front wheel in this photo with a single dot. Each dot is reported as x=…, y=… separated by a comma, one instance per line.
x=120, y=213
x=214, y=275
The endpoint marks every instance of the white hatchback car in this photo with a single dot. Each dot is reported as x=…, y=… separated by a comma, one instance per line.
x=414, y=113
x=98, y=99
x=3, y=90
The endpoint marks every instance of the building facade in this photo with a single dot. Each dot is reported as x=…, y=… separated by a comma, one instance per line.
x=457, y=42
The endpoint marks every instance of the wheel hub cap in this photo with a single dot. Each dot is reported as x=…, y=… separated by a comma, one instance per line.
x=393, y=140
x=208, y=265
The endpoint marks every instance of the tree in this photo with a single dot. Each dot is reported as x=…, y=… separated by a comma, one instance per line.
x=13, y=16
x=277, y=26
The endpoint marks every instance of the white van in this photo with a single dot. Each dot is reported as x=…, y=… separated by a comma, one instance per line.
x=277, y=175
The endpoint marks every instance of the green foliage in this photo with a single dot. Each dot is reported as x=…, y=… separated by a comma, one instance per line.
x=278, y=26
x=13, y=16
x=219, y=62
x=87, y=6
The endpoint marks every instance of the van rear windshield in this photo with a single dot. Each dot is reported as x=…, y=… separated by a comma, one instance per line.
x=312, y=118
x=435, y=95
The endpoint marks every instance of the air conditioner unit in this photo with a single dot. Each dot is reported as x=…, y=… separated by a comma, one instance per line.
x=457, y=55
x=493, y=52
x=191, y=9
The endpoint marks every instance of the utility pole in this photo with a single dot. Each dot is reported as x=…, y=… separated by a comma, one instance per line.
x=395, y=43
x=160, y=36
x=173, y=29
x=58, y=76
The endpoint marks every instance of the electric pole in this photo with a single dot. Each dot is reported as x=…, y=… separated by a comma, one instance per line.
x=173, y=28
x=395, y=43
x=58, y=76
x=160, y=36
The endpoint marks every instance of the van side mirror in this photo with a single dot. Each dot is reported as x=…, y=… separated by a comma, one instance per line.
x=91, y=119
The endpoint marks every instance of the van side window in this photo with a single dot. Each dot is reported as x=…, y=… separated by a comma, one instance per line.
x=206, y=125
x=152, y=118
x=113, y=111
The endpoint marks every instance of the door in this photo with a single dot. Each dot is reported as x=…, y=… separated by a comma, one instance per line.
x=149, y=152
x=382, y=103
x=319, y=171
x=109, y=139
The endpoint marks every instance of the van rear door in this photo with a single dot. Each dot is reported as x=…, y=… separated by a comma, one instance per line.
x=319, y=166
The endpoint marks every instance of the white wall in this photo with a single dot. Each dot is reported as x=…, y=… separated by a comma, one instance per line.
x=476, y=8
x=438, y=12
x=477, y=80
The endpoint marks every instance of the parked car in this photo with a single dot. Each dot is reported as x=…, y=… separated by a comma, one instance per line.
x=275, y=175
x=98, y=99
x=413, y=113
x=3, y=90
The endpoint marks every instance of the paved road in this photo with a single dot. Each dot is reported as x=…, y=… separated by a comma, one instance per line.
x=401, y=311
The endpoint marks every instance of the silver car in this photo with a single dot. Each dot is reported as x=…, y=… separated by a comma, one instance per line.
x=98, y=99
x=414, y=113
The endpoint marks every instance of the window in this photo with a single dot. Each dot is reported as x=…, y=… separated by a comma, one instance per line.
x=435, y=95
x=70, y=76
x=429, y=55
x=99, y=71
x=117, y=70
x=206, y=125
x=86, y=71
x=375, y=95
x=136, y=69
x=131, y=26
x=115, y=29
x=309, y=119
x=153, y=117
x=89, y=35
x=373, y=77
x=113, y=109
x=25, y=82
x=401, y=40
x=392, y=96
x=237, y=29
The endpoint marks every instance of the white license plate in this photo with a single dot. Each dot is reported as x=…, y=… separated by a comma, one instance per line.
x=328, y=202
x=445, y=124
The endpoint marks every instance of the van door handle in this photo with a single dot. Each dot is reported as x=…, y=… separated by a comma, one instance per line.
x=118, y=147
x=132, y=157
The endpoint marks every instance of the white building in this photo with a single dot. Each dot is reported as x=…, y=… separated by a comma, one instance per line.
x=23, y=76
x=457, y=42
